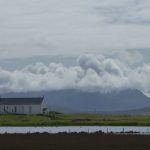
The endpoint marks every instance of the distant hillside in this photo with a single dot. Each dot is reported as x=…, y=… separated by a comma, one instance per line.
x=142, y=111
x=74, y=101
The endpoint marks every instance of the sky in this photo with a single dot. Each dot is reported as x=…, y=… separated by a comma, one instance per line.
x=74, y=44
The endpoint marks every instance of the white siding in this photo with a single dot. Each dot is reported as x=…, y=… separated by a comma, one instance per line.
x=21, y=109
x=43, y=105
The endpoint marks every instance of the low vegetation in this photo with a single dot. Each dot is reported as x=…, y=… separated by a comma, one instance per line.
x=58, y=119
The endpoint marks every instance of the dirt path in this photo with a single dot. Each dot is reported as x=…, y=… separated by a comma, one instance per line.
x=74, y=142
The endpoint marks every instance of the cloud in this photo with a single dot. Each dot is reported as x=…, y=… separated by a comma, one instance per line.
x=98, y=64
x=92, y=73
x=125, y=11
x=130, y=57
x=72, y=27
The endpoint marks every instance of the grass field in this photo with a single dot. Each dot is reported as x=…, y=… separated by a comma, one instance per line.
x=58, y=119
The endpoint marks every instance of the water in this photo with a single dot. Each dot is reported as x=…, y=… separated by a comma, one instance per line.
x=88, y=129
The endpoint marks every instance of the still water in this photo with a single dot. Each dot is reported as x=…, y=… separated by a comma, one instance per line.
x=69, y=129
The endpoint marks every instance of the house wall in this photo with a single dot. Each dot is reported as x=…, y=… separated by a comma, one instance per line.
x=21, y=109
x=43, y=105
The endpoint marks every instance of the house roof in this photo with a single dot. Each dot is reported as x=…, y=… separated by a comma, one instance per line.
x=21, y=101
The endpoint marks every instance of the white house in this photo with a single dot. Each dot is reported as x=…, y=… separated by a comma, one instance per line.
x=30, y=105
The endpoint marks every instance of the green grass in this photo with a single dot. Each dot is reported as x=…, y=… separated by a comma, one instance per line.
x=58, y=119
x=114, y=120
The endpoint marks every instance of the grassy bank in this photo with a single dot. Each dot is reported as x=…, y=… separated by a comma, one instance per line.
x=58, y=119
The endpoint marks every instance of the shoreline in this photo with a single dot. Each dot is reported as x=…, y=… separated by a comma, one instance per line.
x=77, y=129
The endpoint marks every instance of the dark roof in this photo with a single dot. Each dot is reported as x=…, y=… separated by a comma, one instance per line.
x=21, y=101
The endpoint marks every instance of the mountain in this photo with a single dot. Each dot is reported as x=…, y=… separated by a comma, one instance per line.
x=142, y=111
x=75, y=101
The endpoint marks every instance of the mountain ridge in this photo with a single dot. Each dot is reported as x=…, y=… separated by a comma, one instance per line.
x=75, y=101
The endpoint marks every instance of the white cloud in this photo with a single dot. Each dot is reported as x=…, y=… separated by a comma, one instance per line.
x=125, y=11
x=92, y=73
x=72, y=27
x=131, y=58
